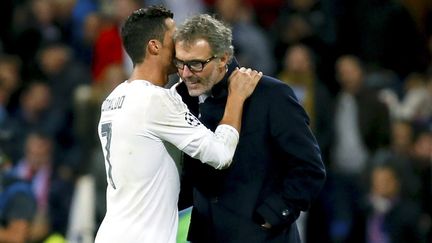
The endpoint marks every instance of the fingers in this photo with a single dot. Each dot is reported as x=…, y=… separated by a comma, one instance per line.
x=247, y=70
x=254, y=74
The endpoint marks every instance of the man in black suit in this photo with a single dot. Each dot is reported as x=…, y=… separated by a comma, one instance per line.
x=277, y=168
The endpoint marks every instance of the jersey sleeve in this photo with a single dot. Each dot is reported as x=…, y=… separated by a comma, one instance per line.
x=171, y=121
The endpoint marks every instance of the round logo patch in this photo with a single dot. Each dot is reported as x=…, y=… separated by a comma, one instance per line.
x=191, y=119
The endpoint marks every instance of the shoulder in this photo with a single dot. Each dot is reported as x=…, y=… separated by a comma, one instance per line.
x=277, y=97
x=142, y=90
x=276, y=89
x=16, y=188
x=167, y=99
x=272, y=84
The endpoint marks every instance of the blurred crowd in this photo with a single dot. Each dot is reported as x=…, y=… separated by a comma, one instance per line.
x=362, y=69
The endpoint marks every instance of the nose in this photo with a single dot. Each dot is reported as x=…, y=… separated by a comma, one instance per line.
x=186, y=72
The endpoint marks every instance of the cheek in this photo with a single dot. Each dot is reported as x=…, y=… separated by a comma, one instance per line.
x=212, y=78
x=206, y=82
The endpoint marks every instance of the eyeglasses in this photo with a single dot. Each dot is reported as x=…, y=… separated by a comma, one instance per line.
x=193, y=65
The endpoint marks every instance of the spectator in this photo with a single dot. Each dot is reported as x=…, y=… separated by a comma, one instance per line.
x=34, y=113
x=247, y=36
x=361, y=128
x=17, y=205
x=391, y=217
x=362, y=121
x=299, y=71
x=416, y=103
x=50, y=183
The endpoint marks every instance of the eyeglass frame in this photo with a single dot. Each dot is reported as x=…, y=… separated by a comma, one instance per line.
x=177, y=63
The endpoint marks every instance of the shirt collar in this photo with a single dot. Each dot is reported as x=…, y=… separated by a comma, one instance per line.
x=220, y=89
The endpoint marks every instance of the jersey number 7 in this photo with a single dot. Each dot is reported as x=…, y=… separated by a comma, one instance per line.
x=107, y=132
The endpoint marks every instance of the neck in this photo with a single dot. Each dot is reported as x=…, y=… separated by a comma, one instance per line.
x=150, y=72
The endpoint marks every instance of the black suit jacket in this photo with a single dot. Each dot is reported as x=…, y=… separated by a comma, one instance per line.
x=276, y=171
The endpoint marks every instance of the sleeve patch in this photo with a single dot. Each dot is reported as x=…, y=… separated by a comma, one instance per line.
x=191, y=119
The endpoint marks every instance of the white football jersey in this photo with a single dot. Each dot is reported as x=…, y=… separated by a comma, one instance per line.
x=140, y=124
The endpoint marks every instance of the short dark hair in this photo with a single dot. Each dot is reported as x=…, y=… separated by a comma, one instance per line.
x=140, y=27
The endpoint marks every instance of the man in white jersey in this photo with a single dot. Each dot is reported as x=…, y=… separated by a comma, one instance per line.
x=141, y=120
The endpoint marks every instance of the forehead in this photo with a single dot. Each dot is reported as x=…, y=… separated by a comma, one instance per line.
x=198, y=49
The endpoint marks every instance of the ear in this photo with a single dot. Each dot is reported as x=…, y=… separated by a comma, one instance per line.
x=154, y=47
x=223, y=60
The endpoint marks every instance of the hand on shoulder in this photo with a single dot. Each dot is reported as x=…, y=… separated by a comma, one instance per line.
x=242, y=81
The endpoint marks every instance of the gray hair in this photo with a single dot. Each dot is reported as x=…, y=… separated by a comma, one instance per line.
x=215, y=32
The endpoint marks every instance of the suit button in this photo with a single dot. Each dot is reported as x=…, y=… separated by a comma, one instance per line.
x=285, y=213
x=214, y=199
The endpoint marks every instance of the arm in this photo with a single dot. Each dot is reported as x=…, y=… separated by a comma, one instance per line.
x=173, y=122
